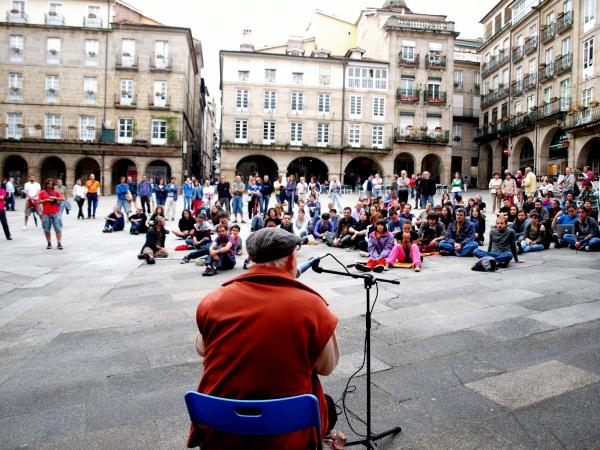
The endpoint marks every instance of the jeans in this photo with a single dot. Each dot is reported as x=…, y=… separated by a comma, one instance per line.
x=92, y=204
x=403, y=195
x=501, y=257
x=123, y=204
x=171, y=208
x=145, y=201
x=466, y=250
x=11, y=201
x=4, y=223
x=531, y=248
x=336, y=198
x=226, y=261
x=456, y=194
x=238, y=205
x=226, y=203
x=80, y=206
x=593, y=243
x=376, y=193
x=265, y=203
x=202, y=251
x=187, y=202
x=426, y=199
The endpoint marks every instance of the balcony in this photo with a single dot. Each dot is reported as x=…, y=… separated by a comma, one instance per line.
x=407, y=95
x=546, y=72
x=37, y=132
x=494, y=96
x=161, y=64
x=408, y=60
x=52, y=18
x=517, y=87
x=465, y=113
x=531, y=44
x=489, y=66
x=547, y=33
x=435, y=61
x=497, y=30
x=423, y=135
x=585, y=117
x=161, y=103
x=486, y=133
x=92, y=21
x=399, y=23
x=564, y=22
x=503, y=57
x=555, y=107
x=517, y=53
x=530, y=81
x=16, y=16
x=125, y=101
x=563, y=63
x=125, y=61
x=433, y=97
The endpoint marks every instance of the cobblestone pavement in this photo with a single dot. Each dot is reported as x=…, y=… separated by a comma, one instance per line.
x=96, y=348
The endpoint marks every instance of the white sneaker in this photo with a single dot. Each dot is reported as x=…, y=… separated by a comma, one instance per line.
x=364, y=254
x=24, y=228
x=201, y=262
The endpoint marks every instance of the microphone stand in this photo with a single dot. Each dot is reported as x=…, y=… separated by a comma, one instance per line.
x=369, y=281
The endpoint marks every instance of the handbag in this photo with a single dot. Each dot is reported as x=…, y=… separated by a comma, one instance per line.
x=128, y=196
x=77, y=198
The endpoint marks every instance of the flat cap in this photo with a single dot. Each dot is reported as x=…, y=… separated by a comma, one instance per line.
x=269, y=244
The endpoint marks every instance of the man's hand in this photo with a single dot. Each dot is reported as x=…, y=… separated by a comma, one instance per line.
x=577, y=245
x=336, y=242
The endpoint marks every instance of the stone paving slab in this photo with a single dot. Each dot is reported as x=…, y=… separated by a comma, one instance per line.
x=570, y=315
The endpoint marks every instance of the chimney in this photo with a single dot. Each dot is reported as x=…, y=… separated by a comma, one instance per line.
x=247, y=45
x=295, y=45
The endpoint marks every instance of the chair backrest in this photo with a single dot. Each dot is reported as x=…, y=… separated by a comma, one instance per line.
x=255, y=417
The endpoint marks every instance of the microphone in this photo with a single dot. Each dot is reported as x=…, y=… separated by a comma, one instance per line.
x=307, y=265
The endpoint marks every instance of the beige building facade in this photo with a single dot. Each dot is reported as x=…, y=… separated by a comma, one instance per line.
x=90, y=89
x=540, y=88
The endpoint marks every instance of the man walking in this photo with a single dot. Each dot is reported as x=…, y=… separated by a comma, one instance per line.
x=32, y=189
x=267, y=191
x=50, y=199
x=171, y=205
x=3, y=214
x=93, y=190
x=10, y=194
x=529, y=183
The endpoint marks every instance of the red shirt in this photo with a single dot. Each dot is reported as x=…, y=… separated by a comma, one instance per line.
x=263, y=333
x=2, y=194
x=49, y=207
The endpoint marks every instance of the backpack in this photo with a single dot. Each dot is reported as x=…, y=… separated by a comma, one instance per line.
x=369, y=185
x=485, y=264
x=576, y=190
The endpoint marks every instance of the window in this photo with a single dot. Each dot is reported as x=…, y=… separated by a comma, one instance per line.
x=297, y=77
x=52, y=128
x=324, y=103
x=433, y=89
x=161, y=54
x=268, y=132
x=565, y=46
x=477, y=78
x=354, y=136
x=241, y=100
x=589, y=13
x=91, y=52
x=297, y=101
x=270, y=75
x=588, y=57
x=90, y=90
x=531, y=102
x=52, y=87
x=160, y=94
x=128, y=58
x=355, y=106
x=17, y=11
x=486, y=87
x=53, y=50
x=296, y=133
x=378, y=108
x=549, y=55
x=55, y=14
x=241, y=131
x=127, y=92
x=93, y=18
x=565, y=97
x=243, y=75
x=87, y=128
x=407, y=85
x=586, y=97
x=159, y=132
x=14, y=122
x=16, y=49
x=408, y=51
x=518, y=107
x=125, y=131
x=377, y=138
x=322, y=134
x=15, y=86
x=458, y=79
x=324, y=74
x=367, y=78
x=457, y=134
x=270, y=101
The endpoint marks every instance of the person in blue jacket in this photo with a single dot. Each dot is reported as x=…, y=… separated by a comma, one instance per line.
x=171, y=203
x=145, y=192
x=187, y=188
x=122, y=190
x=460, y=236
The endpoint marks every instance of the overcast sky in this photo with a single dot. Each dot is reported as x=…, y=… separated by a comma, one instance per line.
x=219, y=23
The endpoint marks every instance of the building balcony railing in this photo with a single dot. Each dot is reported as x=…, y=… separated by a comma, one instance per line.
x=546, y=72
x=399, y=23
x=489, y=66
x=494, y=96
x=547, y=33
x=422, y=135
x=92, y=21
x=486, y=133
x=407, y=95
x=503, y=57
x=125, y=101
x=517, y=87
x=52, y=18
x=155, y=102
x=563, y=63
x=16, y=16
x=583, y=117
x=530, y=81
x=435, y=61
x=125, y=61
x=161, y=63
x=468, y=113
x=555, y=107
x=435, y=97
x=408, y=60
x=531, y=44
x=459, y=86
x=517, y=53
x=498, y=29
x=564, y=22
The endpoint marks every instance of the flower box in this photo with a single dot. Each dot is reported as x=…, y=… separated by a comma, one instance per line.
x=594, y=103
x=55, y=127
x=37, y=126
x=92, y=53
x=91, y=16
x=126, y=55
x=71, y=127
x=14, y=88
x=52, y=13
x=15, y=11
x=91, y=128
x=20, y=125
x=16, y=50
x=53, y=51
x=51, y=90
x=566, y=144
x=423, y=128
x=91, y=92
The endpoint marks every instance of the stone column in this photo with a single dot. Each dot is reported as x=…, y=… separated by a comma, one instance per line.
x=106, y=178
x=70, y=177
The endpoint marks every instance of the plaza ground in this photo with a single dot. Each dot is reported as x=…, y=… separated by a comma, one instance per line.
x=96, y=347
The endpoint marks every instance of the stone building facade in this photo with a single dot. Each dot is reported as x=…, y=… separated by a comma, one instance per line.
x=92, y=90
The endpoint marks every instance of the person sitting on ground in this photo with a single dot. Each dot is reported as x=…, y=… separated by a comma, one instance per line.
x=394, y=223
x=431, y=233
x=334, y=217
x=554, y=209
x=569, y=199
x=115, y=221
x=424, y=215
x=323, y=225
x=199, y=240
x=460, y=236
x=155, y=238
x=381, y=243
x=221, y=255
x=343, y=235
x=480, y=204
x=562, y=218
x=502, y=246
x=470, y=205
x=585, y=233
x=314, y=207
x=407, y=215
x=547, y=200
x=478, y=222
x=518, y=226
x=186, y=224
x=286, y=223
x=406, y=249
x=505, y=208
x=542, y=212
x=446, y=217
x=528, y=205
x=158, y=211
x=534, y=236
x=301, y=226
x=358, y=208
x=359, y=233
x=589, y=194
x=458, y=202
x=591, y=212
x=138, y=222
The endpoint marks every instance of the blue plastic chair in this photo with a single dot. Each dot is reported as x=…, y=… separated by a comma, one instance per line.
x=255, y=417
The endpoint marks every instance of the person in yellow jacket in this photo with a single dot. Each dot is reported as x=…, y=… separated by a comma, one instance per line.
x=529, y=183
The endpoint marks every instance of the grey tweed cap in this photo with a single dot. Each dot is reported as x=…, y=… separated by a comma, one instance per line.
x=269, y=244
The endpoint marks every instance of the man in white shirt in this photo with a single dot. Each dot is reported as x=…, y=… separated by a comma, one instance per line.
x=32, y=189
x=377, y=185
x=302, y=189
x=10, y=191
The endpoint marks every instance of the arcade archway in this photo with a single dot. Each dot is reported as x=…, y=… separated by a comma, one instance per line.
x=404, y=161
x=53, y=167
x=308, y=167
x=262, y=165
x=359, y=169
x=15, y=167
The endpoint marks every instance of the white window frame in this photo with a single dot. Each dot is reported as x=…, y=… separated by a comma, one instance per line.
x=298, y=77
x=565, y=90
x=354, y=135
x=128, y=49
x=16, y=48
x=322, y=134
x=297, y=102
x=243, y=75
x=53, y=50
x=589, y=15
x=158, y=132
x=15, y=86
x=270, y=75
x=161, y=54
x=87, y=128
x=588, y=57
x=355, y=105
x=92, y=48
x=52, y=88
x=268, y=132
x=378, y=108
x=127, y=92
x=241, y=100
x=377, y=136
x=161, y=93
x=296, y=133
x=90, y=90
x=270, y=101
x=360, y=77
x=325, y=104
x=587, y=96
x=13, y=130
x=241, y=131
x=52, y=126
x=125, y=130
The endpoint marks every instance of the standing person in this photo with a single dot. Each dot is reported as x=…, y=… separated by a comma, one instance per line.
x=196, y=196
x=171, y=203
x=457, y=185
x=495, y=187
x=155, y=238
x=93, y=191
x=529, y=183
x=32, y=190
x=238, y=199
x=403, y=187
x=160, y=191
x=427, y=188
x=377, y=185
x=123, y=195
x=290, y=193
x=413, y=185
x=302, y=190
x=253, y=198
x=145, y=192
x=50, y=200
x=279, y=187
x=208, y=194
x=187, y=189
x=79, y=192
x=10, y=194
x=224, y=194
x=266, y=192
x=59, y=187
x=335, y=191
x=502, y=246
x=134, y=193
x=3, y=220
x=589, y=174
x=153, y=202
x=509, y=188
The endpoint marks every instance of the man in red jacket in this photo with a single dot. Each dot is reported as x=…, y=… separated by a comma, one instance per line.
x=265, y=335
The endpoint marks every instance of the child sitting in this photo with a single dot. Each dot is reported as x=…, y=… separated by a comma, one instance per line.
x=406, y=249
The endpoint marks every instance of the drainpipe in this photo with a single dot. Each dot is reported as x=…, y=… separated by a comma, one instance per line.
x=537, y=95
x=344, y=65
x=108, y=4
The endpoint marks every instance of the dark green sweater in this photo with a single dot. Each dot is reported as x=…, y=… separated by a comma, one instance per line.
x=503, y=241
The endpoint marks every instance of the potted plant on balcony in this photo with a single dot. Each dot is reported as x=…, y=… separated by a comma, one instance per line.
x=16, y=50
x=566, y=143
x=20, y=125
x=91, y=16
x=51, y=90
x=53, y=51
x=15, y=11
x=126, y=55
x=92, y=53
x=553, y=99
x=594, y=103
x=423, y=129
x=38, y=126
x=70, y=127
x=52, y=13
